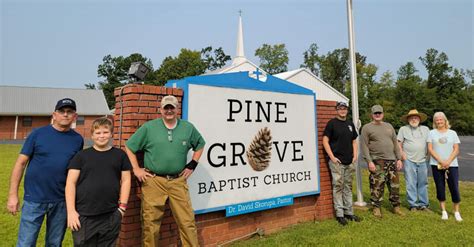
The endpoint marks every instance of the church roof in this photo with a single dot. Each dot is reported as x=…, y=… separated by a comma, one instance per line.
x=305, y=78
x=40, y=101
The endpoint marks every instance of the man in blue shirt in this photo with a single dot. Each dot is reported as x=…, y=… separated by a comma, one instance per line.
x=47, y=152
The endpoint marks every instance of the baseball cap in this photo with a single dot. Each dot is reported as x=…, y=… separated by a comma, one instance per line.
x=377, y=108
x=169, y=100
x=66, y=102
x=341, y=103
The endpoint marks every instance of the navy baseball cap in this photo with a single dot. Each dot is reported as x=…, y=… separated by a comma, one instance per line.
x=66, y=102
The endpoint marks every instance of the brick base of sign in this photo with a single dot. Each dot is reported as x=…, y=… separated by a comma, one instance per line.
x=137, y=104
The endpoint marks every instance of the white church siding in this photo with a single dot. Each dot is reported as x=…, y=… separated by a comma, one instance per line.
x=304, y=78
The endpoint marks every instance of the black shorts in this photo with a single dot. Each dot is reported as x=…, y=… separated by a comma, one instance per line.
x=99, y=230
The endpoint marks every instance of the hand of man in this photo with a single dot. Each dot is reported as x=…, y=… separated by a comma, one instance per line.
x=354, y=160
x=404, y=156
x=73, y=221
x=121, y=212
x=335, y=160
x=142, y=174
x=371, y=166
x=13, y=205
x=186, y=173
x=399, y=165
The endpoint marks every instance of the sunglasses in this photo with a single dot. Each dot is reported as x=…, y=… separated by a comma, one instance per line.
x=68, y=112
x=170, y=136
x=377, y=113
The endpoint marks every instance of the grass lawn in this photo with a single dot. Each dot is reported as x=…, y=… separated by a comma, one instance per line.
x=9, y=224
x=415, y=229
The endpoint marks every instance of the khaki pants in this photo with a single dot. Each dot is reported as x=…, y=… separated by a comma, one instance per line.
x=155, y=192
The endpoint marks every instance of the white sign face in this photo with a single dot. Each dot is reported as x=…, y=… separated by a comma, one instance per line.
x=259, y=145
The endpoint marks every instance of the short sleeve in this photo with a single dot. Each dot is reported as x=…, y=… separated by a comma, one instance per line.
x=76, y=162
x=197, y=142
x=400, y=136
x=430, y=137
x=354, y=132
x=29, y=145
x=126, y=165
x=328, y=130
x=138, y=140
x=456, y=138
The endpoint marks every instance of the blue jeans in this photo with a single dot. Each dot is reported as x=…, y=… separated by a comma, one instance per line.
x=32, y=216
x=416, y=178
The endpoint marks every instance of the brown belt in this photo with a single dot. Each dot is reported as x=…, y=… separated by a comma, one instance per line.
x=167, y=176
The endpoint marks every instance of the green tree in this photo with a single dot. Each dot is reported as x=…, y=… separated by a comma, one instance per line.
x=214, y=60
x=335, y=68
x=311, y=59
x=452, y=91
x=187, y=63
x=90, y=86
x=273, y=59
x=411, y=92
x=114, y=71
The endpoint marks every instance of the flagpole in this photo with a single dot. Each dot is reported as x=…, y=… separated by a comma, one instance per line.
x=355, y=102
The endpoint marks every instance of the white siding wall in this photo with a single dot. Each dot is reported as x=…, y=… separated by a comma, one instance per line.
x=322, y=91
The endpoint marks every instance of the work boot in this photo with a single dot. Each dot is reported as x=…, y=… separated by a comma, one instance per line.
x=341, y=220
x=398, y=211
x=377, y=213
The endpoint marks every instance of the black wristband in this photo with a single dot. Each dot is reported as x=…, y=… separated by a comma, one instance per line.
x=192, y=164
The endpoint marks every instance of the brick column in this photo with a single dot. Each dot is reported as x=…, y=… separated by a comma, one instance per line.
x=141, y=103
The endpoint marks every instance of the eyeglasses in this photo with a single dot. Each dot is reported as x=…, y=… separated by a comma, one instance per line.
x=68, y=112
x=170, y=136
x=377, y=113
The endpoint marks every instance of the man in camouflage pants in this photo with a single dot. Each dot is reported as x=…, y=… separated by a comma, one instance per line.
x=340, y=144
x=382, y=153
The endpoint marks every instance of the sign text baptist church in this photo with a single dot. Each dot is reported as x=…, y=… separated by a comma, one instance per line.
x=261, y=147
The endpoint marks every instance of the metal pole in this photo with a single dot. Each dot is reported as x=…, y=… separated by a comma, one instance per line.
x=355, y=101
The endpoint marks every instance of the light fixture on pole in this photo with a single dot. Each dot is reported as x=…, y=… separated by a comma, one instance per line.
x=137, y=72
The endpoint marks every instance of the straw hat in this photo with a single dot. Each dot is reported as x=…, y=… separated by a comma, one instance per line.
x=414, y=112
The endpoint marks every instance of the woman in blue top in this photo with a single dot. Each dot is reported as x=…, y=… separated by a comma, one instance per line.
x=443, y=146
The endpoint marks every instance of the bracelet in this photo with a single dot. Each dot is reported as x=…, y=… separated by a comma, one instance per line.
x=123, y=205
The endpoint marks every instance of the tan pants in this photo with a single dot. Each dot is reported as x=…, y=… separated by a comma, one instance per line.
x=155, y=192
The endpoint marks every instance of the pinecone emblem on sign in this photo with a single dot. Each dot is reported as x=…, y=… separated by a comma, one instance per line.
x=260, y=150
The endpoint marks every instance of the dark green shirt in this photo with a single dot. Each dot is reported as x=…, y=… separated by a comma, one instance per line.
x=165, y=150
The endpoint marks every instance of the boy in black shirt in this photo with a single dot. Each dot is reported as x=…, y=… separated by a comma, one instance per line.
x=339, y=141
x=97, y=189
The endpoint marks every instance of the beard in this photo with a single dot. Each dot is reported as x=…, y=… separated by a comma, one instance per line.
x=414, y=125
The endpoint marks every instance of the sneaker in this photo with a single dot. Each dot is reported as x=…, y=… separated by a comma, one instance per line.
x=341, y=220
x=413, y=209
x=457, y=215
x=352, y=218
x=425, y=209
x=377, y=213
x=398, y=211
x=444, y=215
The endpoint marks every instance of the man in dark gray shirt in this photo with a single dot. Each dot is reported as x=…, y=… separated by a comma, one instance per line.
x=381, y=151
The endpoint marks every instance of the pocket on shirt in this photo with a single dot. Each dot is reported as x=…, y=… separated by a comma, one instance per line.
x=183, y=145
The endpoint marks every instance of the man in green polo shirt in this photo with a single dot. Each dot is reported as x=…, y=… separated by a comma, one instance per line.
x=166, y=142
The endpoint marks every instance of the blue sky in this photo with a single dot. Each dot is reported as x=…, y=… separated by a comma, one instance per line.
x=61, y=43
